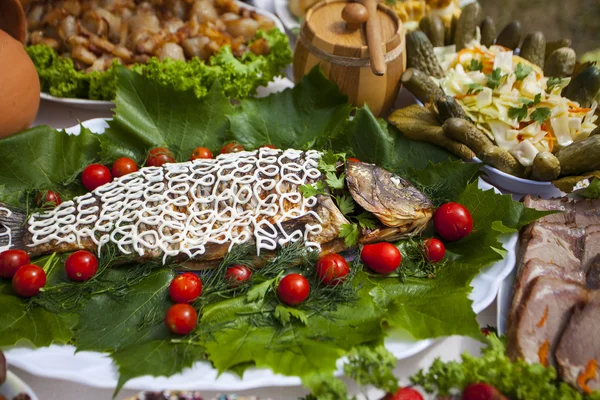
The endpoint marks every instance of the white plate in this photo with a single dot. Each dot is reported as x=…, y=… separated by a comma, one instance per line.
x=97, y=369
x=14, y=386
x=289, y=20
x=103, y=105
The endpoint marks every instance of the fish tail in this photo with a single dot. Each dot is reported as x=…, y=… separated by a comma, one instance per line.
x=12, y=227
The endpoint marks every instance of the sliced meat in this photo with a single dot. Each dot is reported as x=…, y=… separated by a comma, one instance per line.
x=566, y=217
x=536, y=268
x=593, y=274
x=552, y=243
x=587, y=212
x=541, y=319
x=591, y=246
x=578, y=352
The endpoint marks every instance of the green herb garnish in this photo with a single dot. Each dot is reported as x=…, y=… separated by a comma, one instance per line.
x=495, y=79
x=541, y=114
x=475, y=65
x=520, y=113
x=552, y=83
x=522, y=71
x=474, y=88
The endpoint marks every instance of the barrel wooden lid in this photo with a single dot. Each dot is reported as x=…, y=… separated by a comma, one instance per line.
x=325, y=29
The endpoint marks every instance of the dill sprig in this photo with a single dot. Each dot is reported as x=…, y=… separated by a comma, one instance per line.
x=215, y=285
x=69, y=296
x=414, y=262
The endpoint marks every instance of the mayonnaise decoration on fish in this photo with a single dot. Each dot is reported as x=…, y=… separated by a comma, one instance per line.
x=182, y=208
x=196, y=211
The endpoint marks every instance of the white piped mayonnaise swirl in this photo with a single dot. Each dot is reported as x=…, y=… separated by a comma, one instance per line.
x=182, y=208
x=5, y=231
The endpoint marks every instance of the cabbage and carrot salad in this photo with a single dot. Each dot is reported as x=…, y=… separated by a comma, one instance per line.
x=512, y=101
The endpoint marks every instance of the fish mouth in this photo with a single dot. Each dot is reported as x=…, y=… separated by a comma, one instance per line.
x=393, y=200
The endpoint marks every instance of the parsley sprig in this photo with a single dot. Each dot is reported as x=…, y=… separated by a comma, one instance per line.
x=495, y=79
x=334, y=186
x=475, y=65
x=539, y=115
x=552, y=83
x=522, y=71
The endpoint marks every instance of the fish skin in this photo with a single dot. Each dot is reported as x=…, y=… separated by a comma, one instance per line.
x=163, y=207
x=392, y=199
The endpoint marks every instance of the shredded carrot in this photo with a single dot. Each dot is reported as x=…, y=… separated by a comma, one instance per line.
x=542, y=321
x=590, y=373
x=462, y=96
x=550, y=141
x=543, y=353
x=580, y=110
x=505, y=48
x=473, y=51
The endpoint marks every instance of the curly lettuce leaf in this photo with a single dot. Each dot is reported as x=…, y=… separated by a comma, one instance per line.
x=517, y=380
x=239, y=78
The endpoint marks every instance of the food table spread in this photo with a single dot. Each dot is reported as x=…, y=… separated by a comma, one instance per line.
x=308, y=241
x=61, y=117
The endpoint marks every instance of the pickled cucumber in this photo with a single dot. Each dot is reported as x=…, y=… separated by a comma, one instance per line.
x=581, y=156
x=421, y=85
x=433, y=27
x=584, y=87
x=488, y=31
x=420, y=55
x=546, y=167
x=555, y=45
x=467, y=25
x=510, y=36
x=449, y=108
x=561, y=63
x=534, y=48
x=420, y=123
x=463, y=131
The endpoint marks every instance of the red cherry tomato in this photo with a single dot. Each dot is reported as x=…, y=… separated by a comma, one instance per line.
x=481, y=391
x=332, y=269
x=352, y=159
x=95, y=175
x=11, y=261
x=123, y=166
x=404, y=394
x=181, y=319
x=201, y=152
x=453, y=221
x=293, y=289
x=158, y=157
x=28, y=280
x=269, y=146
x=47, y=199
x=238, y=274
x=81, y=266
x=232, y=148
x=185, y=288
x=383, y=258
x=434, y=250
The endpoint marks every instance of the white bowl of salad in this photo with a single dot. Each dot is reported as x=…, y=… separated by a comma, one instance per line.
x=516, y=185
x=515, y=106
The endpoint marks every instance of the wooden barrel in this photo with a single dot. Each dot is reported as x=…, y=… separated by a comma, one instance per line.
x=343, y=54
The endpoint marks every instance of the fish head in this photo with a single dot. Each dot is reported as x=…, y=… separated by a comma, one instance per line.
x=392, y=199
